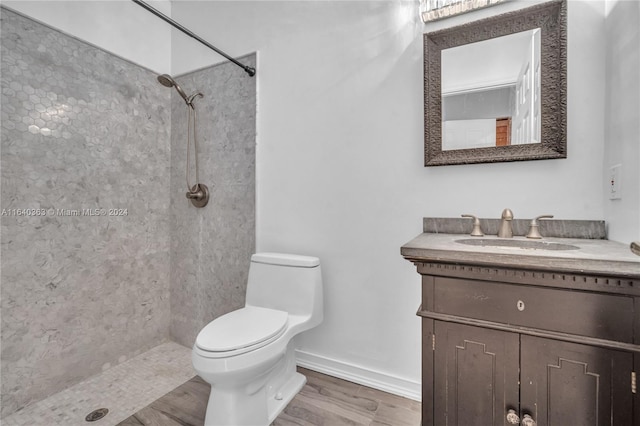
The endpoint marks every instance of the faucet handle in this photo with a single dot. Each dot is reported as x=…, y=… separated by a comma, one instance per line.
x=477, y=232
x=533, y=227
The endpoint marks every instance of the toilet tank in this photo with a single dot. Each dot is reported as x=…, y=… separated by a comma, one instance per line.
x=286, y=282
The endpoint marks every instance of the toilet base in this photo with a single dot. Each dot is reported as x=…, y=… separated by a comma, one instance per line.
x=253, y=414
x=258, y=401
x=287, y=393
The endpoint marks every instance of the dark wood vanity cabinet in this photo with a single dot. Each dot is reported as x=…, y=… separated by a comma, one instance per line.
x=474, y=374
x=480, y=374
x=559, y=348
x=572, y=384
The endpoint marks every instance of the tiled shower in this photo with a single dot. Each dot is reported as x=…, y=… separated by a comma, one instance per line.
x=102, y=255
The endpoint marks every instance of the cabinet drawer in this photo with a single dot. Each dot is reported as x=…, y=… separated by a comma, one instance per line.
x=587, y=314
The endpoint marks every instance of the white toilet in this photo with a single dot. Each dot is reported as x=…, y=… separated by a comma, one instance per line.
x=247, y=355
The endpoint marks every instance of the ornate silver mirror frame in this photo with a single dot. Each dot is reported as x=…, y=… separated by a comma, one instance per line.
x=551, y=18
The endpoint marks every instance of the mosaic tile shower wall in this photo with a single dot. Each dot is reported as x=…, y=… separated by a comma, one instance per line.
x=211, y=246
x=85, y=226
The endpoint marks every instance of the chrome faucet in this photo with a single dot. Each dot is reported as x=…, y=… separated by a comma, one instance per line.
x=505, y=230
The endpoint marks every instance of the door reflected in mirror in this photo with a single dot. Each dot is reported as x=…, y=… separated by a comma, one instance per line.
x=491, y=92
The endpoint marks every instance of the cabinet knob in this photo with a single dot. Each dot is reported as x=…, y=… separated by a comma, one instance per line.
x=512, y=418
x=528, y=421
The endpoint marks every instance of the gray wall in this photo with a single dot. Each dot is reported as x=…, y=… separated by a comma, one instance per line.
x=81, y=129
x=493, y=103
x=211, y=247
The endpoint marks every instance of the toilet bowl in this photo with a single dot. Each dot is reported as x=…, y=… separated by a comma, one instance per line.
x=248, y=355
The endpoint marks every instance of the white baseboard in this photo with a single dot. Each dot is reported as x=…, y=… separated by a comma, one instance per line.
x=363, y=376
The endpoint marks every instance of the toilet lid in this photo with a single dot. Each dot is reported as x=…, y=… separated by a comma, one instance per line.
x=245, y=327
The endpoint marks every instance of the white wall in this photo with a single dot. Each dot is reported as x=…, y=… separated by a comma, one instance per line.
x=340, y=155
x=622, y=141
x=118, y=26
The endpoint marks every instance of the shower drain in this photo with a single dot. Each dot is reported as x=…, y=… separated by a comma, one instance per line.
x=96, y=415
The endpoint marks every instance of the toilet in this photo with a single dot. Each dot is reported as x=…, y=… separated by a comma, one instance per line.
x=248, y=355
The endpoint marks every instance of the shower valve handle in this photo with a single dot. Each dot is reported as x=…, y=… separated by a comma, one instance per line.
x=199, y=195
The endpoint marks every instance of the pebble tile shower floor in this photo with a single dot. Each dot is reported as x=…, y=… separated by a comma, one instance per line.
x=123, y=389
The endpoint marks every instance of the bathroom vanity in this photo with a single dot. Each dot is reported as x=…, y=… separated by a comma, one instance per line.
x=521, y=331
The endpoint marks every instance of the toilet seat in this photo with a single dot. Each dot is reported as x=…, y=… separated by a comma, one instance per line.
x=241, y=331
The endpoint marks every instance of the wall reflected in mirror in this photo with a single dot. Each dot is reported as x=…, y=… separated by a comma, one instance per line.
x=491, y=92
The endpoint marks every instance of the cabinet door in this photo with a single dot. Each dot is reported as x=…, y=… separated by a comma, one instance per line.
x=571, y=384
x=475, y=375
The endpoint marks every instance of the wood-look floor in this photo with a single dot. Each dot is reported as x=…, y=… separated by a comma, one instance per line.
x=324, y=400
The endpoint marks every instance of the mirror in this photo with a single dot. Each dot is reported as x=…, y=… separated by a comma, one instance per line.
x=498, y=103
x=495, y=89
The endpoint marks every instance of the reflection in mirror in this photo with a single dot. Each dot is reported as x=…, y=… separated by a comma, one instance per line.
x=491, y=92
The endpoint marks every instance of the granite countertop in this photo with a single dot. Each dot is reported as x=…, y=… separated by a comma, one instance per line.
x=594, y=256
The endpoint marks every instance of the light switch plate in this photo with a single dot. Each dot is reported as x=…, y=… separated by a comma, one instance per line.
x=615, y=182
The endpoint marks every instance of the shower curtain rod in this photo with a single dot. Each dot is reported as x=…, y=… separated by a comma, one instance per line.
x=249, y=70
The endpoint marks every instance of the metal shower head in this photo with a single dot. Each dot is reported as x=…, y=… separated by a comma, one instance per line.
x=167, y=81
